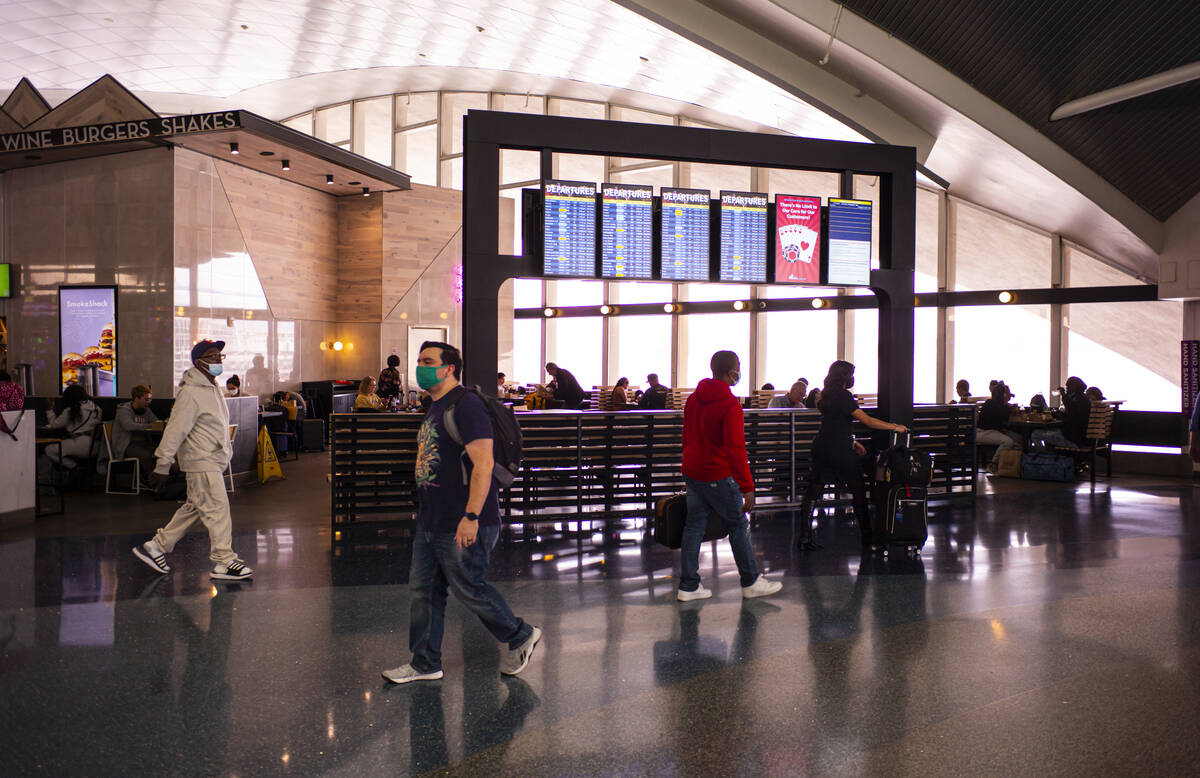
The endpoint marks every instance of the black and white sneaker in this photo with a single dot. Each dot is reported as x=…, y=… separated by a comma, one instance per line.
x=234, y=571
x=153, y=555
x=518, y=658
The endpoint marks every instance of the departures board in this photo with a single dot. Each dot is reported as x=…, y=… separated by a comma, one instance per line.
x=569, y=229
x=685, y=231
x=743, y=237
x=627, y=231
x=849, y=251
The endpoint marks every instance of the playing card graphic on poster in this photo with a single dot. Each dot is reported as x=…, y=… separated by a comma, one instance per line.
x=87, y=333
x=798, y=235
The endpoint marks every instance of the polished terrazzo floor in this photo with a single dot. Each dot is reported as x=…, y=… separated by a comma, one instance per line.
x=1048, y=630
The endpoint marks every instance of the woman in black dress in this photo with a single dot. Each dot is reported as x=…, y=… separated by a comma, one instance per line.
x=836, y=454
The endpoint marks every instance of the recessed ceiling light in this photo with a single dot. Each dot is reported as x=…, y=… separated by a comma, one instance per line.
x=419, y=54
x=329, y=178
x=644, y=59
x=478, y=28
x=245, y=26
x=287, y=164
x=366, y=191
x=266, y=153
x=354, y=183
x=233, y=148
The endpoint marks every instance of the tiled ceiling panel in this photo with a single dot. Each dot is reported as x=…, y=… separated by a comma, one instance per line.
x=1031, y=56
x=222, y=47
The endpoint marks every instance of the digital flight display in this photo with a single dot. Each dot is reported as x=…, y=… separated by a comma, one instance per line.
x=849, y=253
x=685, y=228
x=626, y=231
x=743, y=237
x=569, y=228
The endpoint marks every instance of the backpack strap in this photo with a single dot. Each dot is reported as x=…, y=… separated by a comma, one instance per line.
x=451, y=427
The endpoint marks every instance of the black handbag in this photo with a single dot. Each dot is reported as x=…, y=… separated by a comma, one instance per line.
x=670, y=513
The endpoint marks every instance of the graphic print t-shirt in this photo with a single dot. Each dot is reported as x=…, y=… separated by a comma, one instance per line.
x=439, y=475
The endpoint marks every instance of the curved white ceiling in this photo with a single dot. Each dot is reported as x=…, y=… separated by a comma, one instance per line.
x=220, y=48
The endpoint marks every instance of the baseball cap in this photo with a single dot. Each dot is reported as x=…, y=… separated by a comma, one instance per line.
x=205, y=345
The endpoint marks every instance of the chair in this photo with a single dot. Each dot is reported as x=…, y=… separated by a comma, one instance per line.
x=229, y=468
x=761, y=398
x=601, y=398
x=137, y=465
x=678, y=398
x=1099, y=440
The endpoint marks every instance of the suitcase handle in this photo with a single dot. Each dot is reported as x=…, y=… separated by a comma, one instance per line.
x=901, y=439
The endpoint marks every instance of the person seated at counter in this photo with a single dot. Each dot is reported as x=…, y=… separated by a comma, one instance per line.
x=77, y=417
x=1094, y=394
x=12, y=397
x=1075, y=412
x=130, y=425
x=993, y=416
x=1037, y=403
x=367, y=400
x=565, y=387
x=656, y=396
x=813, y=400
x=620, y=395
x=233, y=386
x=389, y=380
x=793, y=399
x=963, y=390
x=501, y=389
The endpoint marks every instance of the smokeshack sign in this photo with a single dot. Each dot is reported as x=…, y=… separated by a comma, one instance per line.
x=141, y=129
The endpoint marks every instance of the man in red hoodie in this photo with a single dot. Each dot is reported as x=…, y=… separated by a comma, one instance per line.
x=717, y=473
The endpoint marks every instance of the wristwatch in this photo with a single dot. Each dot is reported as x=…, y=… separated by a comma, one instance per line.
x=471, y=516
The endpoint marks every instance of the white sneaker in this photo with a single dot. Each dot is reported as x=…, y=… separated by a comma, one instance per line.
x=408, y=674
x=700, y=594
x=518, y=658
x=234, y=571
x=153, y=555
x=761, y=588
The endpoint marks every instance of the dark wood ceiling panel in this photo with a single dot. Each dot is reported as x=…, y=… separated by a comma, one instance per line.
x=1030, y=56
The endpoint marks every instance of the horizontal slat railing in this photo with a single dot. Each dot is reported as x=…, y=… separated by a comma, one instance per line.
x=601, y=464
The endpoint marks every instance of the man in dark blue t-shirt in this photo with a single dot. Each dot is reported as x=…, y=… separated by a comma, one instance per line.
x=458, y=522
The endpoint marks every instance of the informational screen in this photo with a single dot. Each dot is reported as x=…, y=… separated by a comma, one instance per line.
x=685, y=224
x=797, y=239
x=569, y=228
x=87, y=337
x=5, y=280
x=744, y=237
x=849, y=255
x=626, y=231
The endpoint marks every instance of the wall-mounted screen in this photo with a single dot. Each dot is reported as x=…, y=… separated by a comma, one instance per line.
x=569, y=228
x=685, y=226
x=797, y=239
x=87, y=337
x=743, y=237
x=5, y=280
x=849, y=253
x=626, y=231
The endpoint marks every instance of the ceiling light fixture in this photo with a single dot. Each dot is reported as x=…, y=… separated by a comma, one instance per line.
x=1006, y=297
x=233, y=148
x=548, y=313
x=366, y=191
x=605, y=310
x=1143, y=86
x=818, y=303
x=329, y=178
x=738, y=305
x=670, y=308
x=287, y=165
x=266, y=153
x=338, y=345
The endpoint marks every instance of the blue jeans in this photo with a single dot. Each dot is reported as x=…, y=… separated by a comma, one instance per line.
x=1050, y=438
x=438, y=564
x=725, y=499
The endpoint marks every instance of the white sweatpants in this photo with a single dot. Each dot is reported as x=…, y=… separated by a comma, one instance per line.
x=997, y=438
x=208, y=503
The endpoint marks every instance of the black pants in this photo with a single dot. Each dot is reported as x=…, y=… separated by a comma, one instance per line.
x=842, y=470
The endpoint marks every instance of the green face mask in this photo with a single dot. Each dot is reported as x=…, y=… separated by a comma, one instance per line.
x=427, y=376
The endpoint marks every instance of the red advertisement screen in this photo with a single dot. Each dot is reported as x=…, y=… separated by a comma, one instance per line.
x=797, y=239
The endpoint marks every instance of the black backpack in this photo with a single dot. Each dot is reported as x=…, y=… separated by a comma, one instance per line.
x=507, y=443
x=902, y=465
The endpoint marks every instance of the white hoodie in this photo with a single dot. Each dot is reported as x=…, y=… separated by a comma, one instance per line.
x=198, y=429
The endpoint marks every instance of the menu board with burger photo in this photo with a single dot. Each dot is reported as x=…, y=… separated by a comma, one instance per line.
x=87, y=336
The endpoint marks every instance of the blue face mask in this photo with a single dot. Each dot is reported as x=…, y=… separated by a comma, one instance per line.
x=214, y=370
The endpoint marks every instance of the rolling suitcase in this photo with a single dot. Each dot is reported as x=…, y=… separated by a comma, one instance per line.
x=313, y=435
x=902, y=477
x=669, y=515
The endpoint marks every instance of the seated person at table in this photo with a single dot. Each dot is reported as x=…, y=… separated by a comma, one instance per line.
x=233, y=387
x=1037, y=403
x=565, y=386
x=389, y=380
x=813, y=400
x=77, y=417
x=1075, y=411
x=963, y=390
x=130, y=425
x=620, y=395
x=12, y=397
x=501, y=389
x=793, y=399
x=654, y=398
x=768, y=388
x=1094, y=394
x=367, y=399
x=993, y=415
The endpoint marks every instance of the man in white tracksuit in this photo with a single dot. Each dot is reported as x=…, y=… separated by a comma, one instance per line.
x=198, y=432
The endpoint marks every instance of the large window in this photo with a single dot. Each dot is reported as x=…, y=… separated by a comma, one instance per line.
x=703, y=334
x=990, y=252
x=1009, y=343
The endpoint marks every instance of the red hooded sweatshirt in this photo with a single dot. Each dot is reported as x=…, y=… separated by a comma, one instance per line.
x=714, y=439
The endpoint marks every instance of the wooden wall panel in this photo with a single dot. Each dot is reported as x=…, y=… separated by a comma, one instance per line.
x=25, y=103
x=102, y=101
x=360, y=258
x=417, y=224
x=291, y=232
